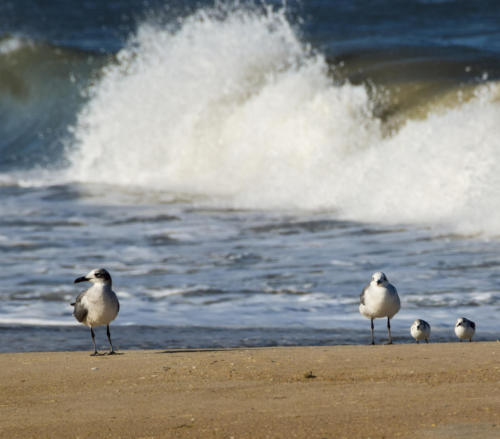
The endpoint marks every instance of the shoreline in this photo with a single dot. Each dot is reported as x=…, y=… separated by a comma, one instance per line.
x=426, y=390
x=76, y=337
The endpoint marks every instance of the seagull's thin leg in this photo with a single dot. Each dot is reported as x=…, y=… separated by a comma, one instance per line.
x=93, y=341
x=389, y=330
x=418, y=342
x=373, y=340
x=427, y=340
x=112, y=351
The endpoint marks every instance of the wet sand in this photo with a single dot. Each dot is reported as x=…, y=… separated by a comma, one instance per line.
x=448, y=390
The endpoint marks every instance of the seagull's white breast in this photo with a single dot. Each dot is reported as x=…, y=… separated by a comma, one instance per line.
x=380, y=301
x=102, y=305
x=464, y=332
x=420, y=334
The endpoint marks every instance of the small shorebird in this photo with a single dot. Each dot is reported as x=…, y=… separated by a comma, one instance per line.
x=465, y=329
x=98, y=305
x=379, y=299
x=420, y=330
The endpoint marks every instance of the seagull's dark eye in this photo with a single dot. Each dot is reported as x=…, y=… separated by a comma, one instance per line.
x=99, y=274
x=102, y=274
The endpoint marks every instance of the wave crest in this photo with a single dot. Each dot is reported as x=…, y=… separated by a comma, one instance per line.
x=217, y=106
x=234, y=106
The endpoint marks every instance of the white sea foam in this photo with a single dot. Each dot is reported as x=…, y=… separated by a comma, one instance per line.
x=235, y=107
x=12, y=44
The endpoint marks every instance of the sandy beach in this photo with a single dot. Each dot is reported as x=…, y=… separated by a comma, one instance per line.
x=448, y=390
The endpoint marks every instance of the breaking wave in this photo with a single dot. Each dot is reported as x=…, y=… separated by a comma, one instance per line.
x=232, y=105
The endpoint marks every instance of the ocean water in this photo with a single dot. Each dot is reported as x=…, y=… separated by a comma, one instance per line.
x=243, y=168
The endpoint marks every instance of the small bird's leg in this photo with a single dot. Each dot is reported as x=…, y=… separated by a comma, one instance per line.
x=389, y=330
x=427, y=340
x=418, y=342
x=373, y=340
x=93, y=341
x=112, y=351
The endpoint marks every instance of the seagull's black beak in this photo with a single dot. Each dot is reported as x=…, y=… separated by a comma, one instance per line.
x=81, y=279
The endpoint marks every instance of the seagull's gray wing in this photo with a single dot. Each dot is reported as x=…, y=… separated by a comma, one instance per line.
x=362, y=295
x=117, y=306
x=472, y=324
x=80, y=311
x=392, y=289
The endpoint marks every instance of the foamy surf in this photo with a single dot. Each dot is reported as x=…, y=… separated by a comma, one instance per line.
x=233, y=105
x=222, y=106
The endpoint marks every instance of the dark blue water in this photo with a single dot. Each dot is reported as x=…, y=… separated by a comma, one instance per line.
x=333, y=26
x=241, y=170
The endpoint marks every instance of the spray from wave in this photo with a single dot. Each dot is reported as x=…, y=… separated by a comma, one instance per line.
x=231, y=104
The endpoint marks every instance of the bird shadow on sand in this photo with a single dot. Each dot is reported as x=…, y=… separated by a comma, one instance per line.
x=186, y=351
x=107, y=354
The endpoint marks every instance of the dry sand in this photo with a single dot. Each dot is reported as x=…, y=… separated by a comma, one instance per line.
x=449, y=390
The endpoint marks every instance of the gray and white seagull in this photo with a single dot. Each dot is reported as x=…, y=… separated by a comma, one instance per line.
x=379, y=299
x=465, y=329
x=420, y=330
x=98, y=305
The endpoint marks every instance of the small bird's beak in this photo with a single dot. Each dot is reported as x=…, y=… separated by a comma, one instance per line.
x=81, y=279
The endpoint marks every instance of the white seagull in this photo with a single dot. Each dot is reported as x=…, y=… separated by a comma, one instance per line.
x=379, y=299
x=465, y=329
x=420, y=330
x=98, y=305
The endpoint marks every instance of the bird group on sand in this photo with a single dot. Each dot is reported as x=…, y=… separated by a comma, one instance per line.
x=99, y=306
x=380, y=299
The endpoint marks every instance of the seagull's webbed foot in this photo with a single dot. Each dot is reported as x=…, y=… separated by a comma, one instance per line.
x=389, y=342
x=96, y=354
